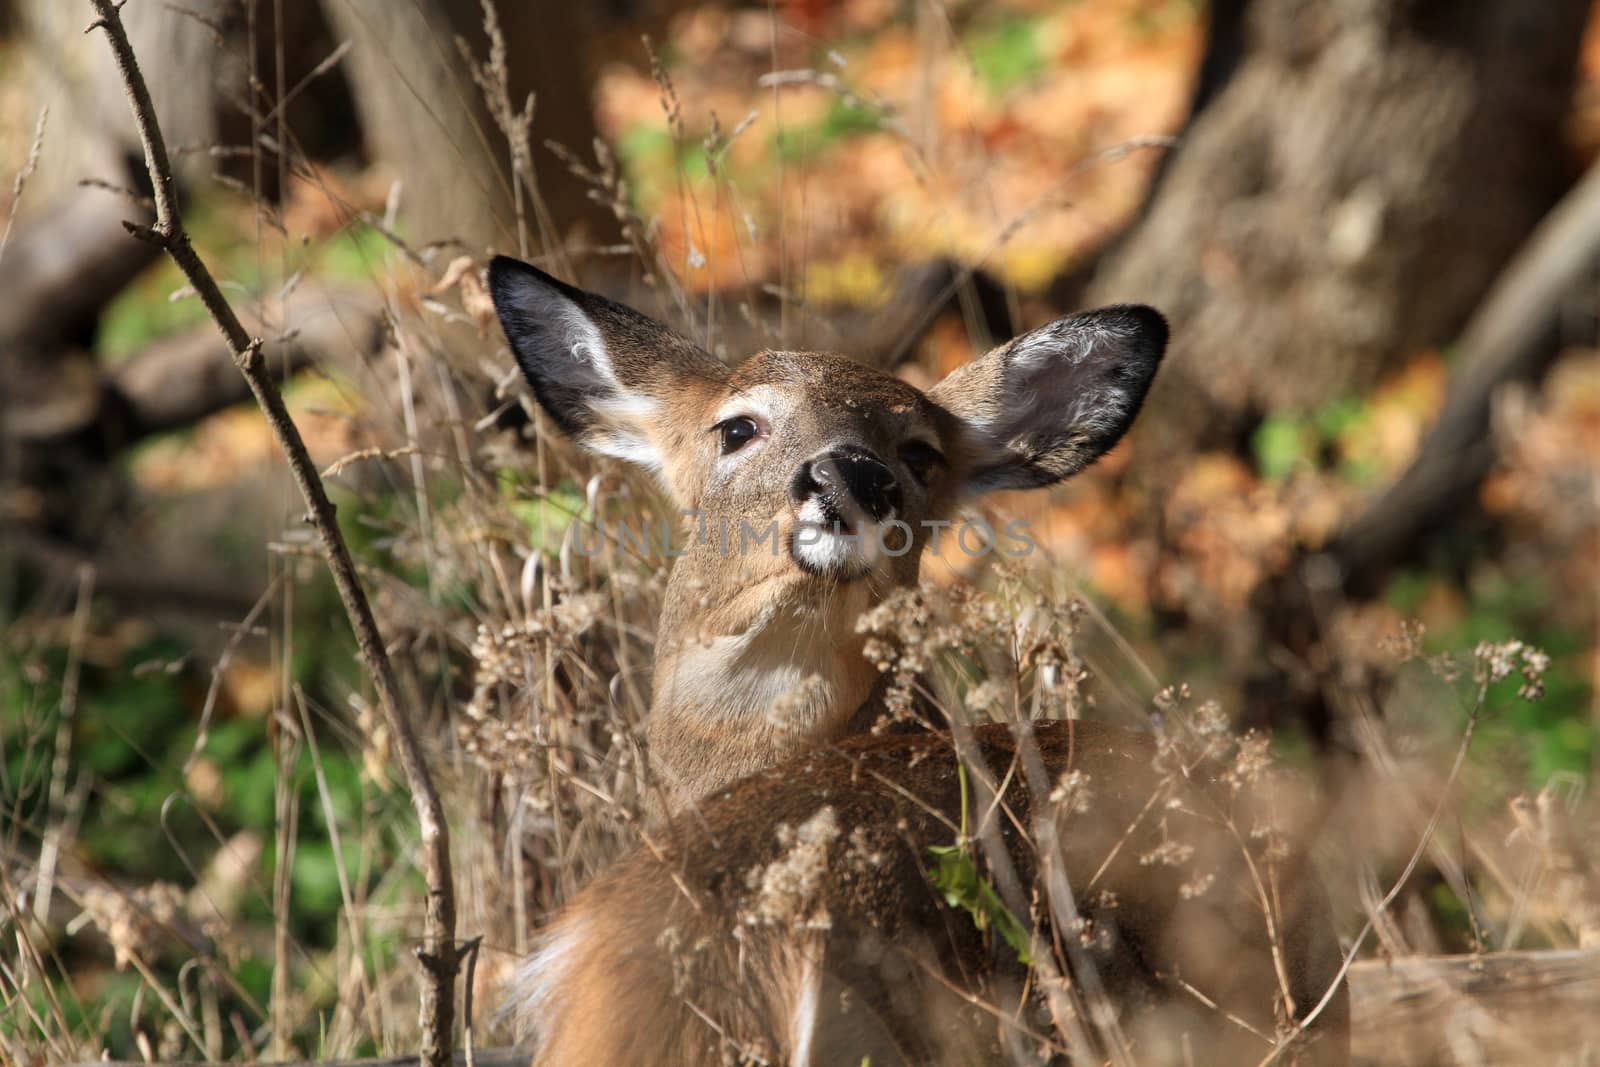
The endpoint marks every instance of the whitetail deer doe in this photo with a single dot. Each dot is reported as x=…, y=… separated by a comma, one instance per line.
x=784, y=913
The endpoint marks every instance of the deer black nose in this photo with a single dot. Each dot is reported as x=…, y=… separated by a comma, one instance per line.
x=866, y=478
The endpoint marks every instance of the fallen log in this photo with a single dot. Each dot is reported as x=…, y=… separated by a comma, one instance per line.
x=1499, y=1008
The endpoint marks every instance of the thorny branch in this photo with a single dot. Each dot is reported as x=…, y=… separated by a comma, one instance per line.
x=438, y=953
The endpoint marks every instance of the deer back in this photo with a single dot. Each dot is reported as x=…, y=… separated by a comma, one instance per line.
x=791, y=918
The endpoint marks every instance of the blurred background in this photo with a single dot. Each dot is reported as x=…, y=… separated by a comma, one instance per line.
x=1370, y=464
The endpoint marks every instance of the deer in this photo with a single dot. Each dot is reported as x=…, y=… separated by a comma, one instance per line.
x=780, y=908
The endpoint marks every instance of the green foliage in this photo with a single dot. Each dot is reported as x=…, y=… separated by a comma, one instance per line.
x=846, y=118
x=1450, y=915
x=159, y=303
x=1007, y=54
x=795, y=144
x=653, y=161
x=375, y=527
x=644, y=146
x=135, y=728
x=255, y=976
x=1547, y=737
x=146, y=311
x=547, y=516
x=955, y=874
x=1281, y=444
x=1287, y=441
x=655, y=165
x=357, y=253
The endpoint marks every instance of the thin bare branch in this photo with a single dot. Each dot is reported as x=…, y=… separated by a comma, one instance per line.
x=438, y=952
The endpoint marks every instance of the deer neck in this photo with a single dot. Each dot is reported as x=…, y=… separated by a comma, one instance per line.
x=736, y=691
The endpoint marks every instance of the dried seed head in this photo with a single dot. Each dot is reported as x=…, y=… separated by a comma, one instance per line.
x=789, y=890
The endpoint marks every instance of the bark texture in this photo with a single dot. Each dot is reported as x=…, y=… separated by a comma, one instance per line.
x=63, y=417
x=201, y=88
x=425, y=118
x=1345, y=198
x=91, y=135
x=438, y=952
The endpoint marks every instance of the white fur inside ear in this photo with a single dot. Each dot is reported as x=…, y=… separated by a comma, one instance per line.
x=588, y=349
x=628, y=407
x=618, y=434
x=1066, y=343
x=590, y=366
x=635, y=448
x=1091, y=402
x=1046, y=405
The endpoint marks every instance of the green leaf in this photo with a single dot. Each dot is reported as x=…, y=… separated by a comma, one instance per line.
x=956, y=876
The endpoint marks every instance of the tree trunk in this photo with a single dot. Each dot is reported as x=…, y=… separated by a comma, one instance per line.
x=200, y=67
x=64, y=417
x=1345, y=198
x=90, y=134
x=426, y=119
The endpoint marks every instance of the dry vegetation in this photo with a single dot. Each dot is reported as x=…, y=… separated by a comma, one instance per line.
x=205, y=850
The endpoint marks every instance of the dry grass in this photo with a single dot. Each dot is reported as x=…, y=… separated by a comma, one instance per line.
x=530, y=664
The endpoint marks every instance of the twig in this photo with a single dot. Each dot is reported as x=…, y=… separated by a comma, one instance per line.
x=55, y=808
x=22, y=177
x=438, y=952
x=470, y=951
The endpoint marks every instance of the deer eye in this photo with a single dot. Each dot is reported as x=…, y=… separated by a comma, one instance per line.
x=737, y=432
x=920, y=458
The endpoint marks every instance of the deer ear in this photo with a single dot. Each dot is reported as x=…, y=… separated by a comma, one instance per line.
x=1045, y=405
x=611, y=378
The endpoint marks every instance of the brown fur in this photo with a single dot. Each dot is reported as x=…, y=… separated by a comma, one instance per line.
x=782, y=912
x=675, y=970
x=700, y=736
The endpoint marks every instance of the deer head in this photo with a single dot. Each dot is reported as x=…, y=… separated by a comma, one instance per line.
x=811, y=485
